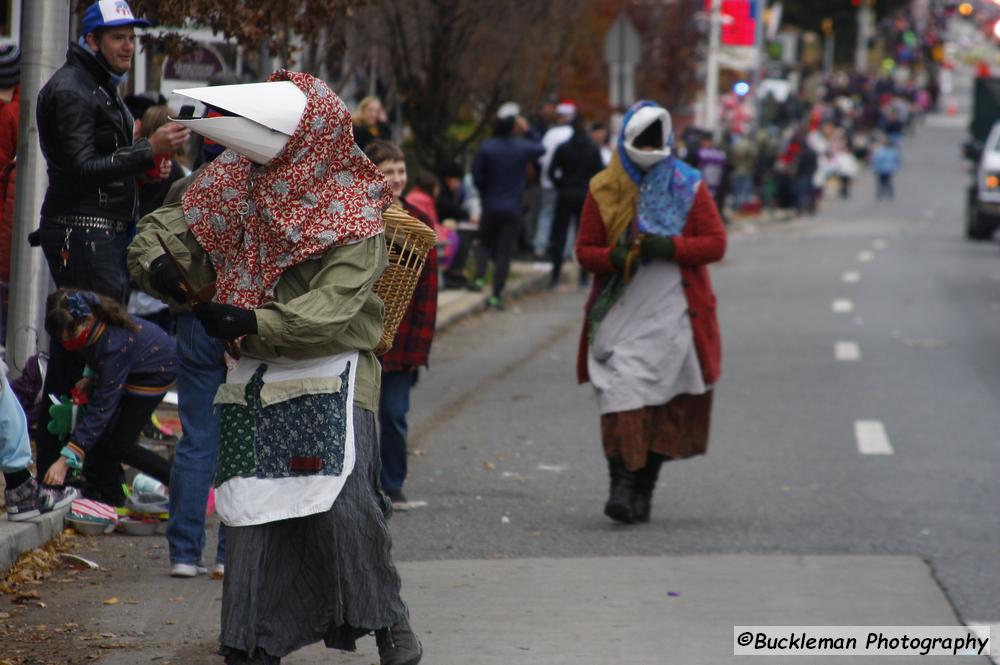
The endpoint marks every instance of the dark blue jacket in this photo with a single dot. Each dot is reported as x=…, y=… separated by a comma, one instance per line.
x=142, y=363
x=499, y=172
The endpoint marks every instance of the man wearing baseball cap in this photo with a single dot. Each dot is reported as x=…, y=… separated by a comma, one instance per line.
x=92, y=159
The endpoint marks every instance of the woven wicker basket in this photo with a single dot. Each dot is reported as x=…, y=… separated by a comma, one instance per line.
x=408, y=241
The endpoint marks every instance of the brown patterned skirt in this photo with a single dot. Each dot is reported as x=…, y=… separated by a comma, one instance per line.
x=676, y=430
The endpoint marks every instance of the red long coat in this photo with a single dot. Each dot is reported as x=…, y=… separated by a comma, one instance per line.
x=703, y=242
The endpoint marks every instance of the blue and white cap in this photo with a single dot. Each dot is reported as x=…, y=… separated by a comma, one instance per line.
x=109, y=14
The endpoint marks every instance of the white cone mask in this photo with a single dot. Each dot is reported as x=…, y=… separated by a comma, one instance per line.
x=637, y=124
x=267, y=114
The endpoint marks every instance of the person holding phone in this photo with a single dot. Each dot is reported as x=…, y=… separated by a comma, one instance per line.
x=93, y=160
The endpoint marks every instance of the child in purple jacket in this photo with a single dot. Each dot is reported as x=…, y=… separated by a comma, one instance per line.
x=130, y=367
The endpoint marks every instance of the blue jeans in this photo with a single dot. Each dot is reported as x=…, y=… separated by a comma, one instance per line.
x=202, y=370
x=546, y=214
x=393, y=405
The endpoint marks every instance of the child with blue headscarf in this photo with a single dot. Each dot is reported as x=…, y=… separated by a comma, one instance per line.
x=650, y=343
x=130, y=367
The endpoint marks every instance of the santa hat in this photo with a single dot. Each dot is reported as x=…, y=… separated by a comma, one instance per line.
x=566, y=107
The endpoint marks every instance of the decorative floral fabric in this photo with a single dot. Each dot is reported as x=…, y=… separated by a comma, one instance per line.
x=666, y=191
x=256, y=222
x=259, y=441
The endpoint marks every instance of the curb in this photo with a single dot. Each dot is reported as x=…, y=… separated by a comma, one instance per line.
x=474, y=303
x=16, y=538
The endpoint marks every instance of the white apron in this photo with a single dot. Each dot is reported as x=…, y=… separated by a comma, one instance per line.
x=643, y=353
x=267, y=487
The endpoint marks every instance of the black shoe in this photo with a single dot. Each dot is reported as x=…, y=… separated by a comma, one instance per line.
x=398, y=645
x=619, y=505
x=645, y=483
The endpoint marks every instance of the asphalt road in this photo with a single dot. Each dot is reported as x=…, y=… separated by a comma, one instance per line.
x=507, y=457
x=504, y=431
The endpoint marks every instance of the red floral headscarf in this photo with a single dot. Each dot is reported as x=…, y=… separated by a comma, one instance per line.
x=319, y=192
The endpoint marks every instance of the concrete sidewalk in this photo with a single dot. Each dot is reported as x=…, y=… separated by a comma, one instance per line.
x=453, y=306
x=639, y=610
x=16, y=538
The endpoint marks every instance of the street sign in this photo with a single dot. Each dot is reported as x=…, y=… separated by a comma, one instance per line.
x=622, y=52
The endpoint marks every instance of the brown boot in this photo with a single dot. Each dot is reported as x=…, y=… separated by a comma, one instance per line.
x=398, y=645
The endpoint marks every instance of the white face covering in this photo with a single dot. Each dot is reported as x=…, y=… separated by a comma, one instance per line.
x=267, y=114
x=643, y=118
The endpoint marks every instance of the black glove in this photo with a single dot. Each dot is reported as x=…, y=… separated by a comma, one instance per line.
x=657, y=247
x=164, y=278
x=226, y=321
x=619, y=256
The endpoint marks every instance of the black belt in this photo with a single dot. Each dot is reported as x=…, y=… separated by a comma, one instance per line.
x=87, y=222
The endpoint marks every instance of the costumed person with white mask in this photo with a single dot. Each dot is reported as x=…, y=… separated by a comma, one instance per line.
x=650, y=343
x=287, y=226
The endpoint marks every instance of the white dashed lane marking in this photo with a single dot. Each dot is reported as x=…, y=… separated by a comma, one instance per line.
x=847, y=351
x=842, y=306
x=850, y=277
x=872, y=438
x=866, y=256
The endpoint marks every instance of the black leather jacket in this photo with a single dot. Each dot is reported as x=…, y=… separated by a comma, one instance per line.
x=85, y=132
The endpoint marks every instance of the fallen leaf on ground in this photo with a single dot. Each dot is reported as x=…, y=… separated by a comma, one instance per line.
x=489, y=466
x=111, y=601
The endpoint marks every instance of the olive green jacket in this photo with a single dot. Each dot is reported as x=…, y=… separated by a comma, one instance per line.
x=321, y=307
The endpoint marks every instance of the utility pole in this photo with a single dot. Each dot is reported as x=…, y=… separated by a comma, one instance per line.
x=44, y=36
x=864, y=34
x=828, y=45
x=712, y=76
x=761, y=55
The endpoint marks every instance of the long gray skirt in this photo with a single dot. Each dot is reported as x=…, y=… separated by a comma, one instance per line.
x=325, y=577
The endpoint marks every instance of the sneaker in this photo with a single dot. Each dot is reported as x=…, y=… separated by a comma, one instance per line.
x=26, y=501
x=218, y=571
x=60, y=497
x=187, y=570
x=398, y=645
x=477, y=284
x=496, y=303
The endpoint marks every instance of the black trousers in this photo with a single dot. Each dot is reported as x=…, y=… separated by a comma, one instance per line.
x=568, y=207
x=497, y=241
x=95, y=261
x=102, y=471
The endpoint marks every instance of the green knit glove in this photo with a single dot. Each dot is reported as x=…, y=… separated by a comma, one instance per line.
x=619, y=256
x=657, y=247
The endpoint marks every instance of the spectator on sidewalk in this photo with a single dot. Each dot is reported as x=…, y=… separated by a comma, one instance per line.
x=422, y=197
x=452, y=205
x=712, y=164
x=650, y=342
x=369, y=122
x=554, y=137
x=885, y=163
x=412, y=347
x=88, y=214
x=599, y=134
x=499, y=171
x=575, y=162
x=23, y=496
x=130, y=366
x=201, y=370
